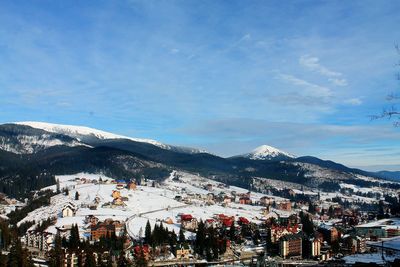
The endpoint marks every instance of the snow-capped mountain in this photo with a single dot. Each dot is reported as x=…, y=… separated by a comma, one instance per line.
x=83, y=133
x=266, y=152
x=91, y=136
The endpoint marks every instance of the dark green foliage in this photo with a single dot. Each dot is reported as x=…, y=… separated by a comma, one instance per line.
x=19, y=214
x=147, y=233
x=74, y=240
x=308, y=225
x=56, y=254
x=18, y=256
x=182, y=238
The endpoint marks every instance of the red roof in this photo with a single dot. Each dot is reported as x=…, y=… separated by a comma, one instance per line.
x=243, y=220
x=227, y=222
x=137, y=249
x=186, y=217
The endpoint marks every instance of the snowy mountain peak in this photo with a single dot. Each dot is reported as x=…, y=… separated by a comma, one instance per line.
x=267, y=152
x=80, y=132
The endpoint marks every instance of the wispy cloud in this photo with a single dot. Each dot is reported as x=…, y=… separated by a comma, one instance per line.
x=308, y=87
x=313, y=64
x=353, y=101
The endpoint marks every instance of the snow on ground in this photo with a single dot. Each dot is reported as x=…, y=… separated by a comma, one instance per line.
x=368, y=258
x=392, y=243
x=78, y=131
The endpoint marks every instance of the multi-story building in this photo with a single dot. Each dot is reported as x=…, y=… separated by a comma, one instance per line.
x=40, y=240
x=290, y=246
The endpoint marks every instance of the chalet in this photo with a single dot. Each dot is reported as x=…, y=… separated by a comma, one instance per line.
x=142, y=250
x=68, y=210
x=243, y=221
x=245, y=200
x=91, y=219
x=227, y=199
x=183, y=252
x=132, y=185
x=116, y=194
x=355, y=244
x=290, y=246
x=209, y=187
x=188, y=222
x=266, y=201
x=284, y=205
x=101, y=230
x=329, y=232
x=168, y=220
x=117, y=202
x=210, y=223
x=225, y=221
x=121, y=184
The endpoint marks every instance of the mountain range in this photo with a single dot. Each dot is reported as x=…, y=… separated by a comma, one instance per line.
x=31, y=152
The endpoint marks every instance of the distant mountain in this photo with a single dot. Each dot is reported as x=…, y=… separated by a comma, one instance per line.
x=390, y=175
x=89, y=135
x=266, y=152
x=31, y=153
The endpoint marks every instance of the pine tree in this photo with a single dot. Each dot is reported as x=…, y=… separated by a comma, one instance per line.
x=182, y=238
x=56, y=254
x=76, y=195
x=147, y=233
x=58, y=186
x=200, y=238
x=90, y=260
x=232, y=235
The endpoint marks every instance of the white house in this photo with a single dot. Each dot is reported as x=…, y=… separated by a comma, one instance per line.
x=69, y=210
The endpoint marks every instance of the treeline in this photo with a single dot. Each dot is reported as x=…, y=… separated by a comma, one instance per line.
x=105, y=248
x=20, y=184
x=42, y=200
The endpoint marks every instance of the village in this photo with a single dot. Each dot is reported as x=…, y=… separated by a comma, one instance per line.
x=238, y=225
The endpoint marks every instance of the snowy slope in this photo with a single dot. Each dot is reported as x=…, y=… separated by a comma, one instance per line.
x=82, y=131
x=267, y=152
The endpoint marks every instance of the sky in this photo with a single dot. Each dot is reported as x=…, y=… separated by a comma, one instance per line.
x=225, y=76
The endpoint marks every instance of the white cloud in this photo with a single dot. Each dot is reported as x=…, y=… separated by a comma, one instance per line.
x=313, y=64
x=310, y=88
x=353, y=101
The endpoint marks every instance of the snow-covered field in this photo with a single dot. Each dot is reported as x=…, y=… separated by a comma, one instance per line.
x=145, y=203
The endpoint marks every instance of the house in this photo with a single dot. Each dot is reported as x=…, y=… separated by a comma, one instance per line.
x=227, y=199
x=225, y=221
x=68, y=210
x=168, y=220
x=245, y=200
x=284, y=205
x=132, y=185
x=188, y=222
x=183, y=252
x=243, y=221
x=381, y=228
x=266, y=201
x=101, y=230
x=210, y=223
x=329, y=232
x=290, y=246
x=91, y=219
x=116, y=194
x=118, y=202
x=142, y=251
x=355, y=244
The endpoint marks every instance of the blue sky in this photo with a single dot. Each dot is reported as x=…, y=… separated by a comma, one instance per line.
x=226, y=76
